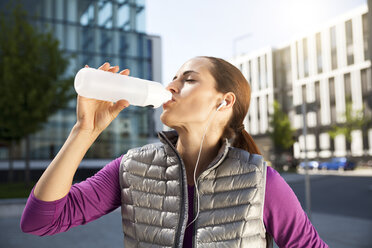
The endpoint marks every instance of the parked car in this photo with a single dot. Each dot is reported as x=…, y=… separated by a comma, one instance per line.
x=311, y=164
x=338, y=163
x=284, y=162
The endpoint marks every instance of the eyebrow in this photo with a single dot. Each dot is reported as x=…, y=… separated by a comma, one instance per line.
x=186, y=72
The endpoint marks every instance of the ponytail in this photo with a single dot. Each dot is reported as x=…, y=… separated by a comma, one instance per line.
x=241, y=139
x=245, y=141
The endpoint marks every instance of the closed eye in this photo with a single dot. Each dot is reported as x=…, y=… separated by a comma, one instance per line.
x=190, y=80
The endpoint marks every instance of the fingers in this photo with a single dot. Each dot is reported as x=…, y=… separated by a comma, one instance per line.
x=125, y=72
x=104, y=67
x=119, y=106
x=113, y=69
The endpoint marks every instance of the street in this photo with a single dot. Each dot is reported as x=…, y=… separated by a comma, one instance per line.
x=341, y=212
x=338, y=195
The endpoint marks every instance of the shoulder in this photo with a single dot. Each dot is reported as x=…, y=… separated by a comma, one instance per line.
x=246, y=157
x=277, y=188
x=146, y=148
x=144, y=153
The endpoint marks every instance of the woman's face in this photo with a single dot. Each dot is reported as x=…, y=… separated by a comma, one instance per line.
x=194, y=95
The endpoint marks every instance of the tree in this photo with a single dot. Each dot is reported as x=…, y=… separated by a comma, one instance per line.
x=32, y=85
x=354, y=120
x=282, y=134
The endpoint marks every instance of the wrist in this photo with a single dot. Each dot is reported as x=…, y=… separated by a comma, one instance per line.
x=79, y=130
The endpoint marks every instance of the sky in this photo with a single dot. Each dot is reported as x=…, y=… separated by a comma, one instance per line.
x=190, y=28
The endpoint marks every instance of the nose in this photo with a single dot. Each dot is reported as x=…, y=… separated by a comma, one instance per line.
x=172, y=87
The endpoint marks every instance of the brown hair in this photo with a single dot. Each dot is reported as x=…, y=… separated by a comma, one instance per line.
x=229, y=79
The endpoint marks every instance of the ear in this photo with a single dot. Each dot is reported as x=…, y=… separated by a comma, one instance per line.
x=230, y=100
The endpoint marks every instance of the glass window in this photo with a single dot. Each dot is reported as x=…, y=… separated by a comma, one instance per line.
x=333, y=48
x=303, y=88
x=306, y=57
x=140, y=19
x=319, y=52
x=298, y=60
x=365, y=35
x=365, y=75
x=331, y=82
x=259, y=72
x=317, y=100
x=347, y=81
x=87, y=18
x=105, y=14
x=123, y=17
x=349, y=42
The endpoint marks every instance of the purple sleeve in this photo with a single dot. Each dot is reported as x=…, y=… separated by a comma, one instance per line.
x=284, y=217
x=86, y=201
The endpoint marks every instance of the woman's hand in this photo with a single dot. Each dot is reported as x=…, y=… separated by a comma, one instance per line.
x=95, y=115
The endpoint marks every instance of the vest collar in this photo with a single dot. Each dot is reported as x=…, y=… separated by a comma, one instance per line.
x=170, y=138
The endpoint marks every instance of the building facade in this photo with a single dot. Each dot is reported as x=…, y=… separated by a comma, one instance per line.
x=91, y=32
x=322, y=68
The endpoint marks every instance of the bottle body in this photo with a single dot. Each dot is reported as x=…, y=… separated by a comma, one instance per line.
x=107, y=86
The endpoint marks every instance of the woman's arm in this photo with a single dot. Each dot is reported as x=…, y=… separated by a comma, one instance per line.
x=86, y=201
x=284, y=217
x=93, y=116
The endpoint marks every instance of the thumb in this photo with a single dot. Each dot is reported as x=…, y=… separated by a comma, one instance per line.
x=119, y=106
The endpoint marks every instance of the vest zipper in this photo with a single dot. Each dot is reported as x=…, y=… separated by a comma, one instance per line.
x=219, y=161
x=183, y=207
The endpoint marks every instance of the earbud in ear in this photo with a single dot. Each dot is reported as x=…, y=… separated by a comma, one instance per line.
x=224, y=103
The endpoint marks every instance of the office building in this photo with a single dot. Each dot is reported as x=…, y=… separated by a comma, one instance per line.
x=91, y=32
x=324, y=68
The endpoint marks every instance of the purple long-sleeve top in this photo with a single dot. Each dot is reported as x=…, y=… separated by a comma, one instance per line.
x=98, y=195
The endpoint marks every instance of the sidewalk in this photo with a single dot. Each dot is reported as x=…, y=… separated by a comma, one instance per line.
x=337, y=231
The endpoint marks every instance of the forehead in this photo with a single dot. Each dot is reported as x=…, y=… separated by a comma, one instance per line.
x=199, y=65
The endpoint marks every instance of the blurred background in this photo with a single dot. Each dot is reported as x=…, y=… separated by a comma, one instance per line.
x=308, y=64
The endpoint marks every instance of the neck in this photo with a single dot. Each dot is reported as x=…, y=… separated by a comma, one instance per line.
x=188, y=146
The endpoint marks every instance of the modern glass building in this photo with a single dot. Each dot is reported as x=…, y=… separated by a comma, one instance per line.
x=92, y=32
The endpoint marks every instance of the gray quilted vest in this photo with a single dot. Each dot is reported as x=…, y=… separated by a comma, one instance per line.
x=155, y=202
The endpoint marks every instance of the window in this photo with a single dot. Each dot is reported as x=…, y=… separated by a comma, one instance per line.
x=298, y=60
x=306, y=57
x=347, y=81
x=250, y=72
x=333, y=48
x=259, y=72
x=319, y=52
x=365, y=76
x=317, y=100
x=349, y=42
x=365, y=35
x=331, y=85
x=105, y=14
x=304, y=98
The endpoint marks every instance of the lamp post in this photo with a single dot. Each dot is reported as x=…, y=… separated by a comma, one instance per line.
x=302, y=109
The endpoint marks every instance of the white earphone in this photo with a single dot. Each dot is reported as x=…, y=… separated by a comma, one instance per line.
x=224, y=103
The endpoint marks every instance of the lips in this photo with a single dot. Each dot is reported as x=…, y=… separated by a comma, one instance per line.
x=169, y=102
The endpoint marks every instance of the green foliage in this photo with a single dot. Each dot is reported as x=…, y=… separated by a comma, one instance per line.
x=354, y=120
x=31, y=70
x=282, y=134
x=15, y=190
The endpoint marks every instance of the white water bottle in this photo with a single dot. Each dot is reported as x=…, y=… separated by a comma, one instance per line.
x=108, y=86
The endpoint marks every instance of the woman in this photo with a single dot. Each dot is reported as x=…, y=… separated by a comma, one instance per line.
x=236, y=202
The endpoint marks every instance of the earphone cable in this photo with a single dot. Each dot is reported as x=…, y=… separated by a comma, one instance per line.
x=196, y=166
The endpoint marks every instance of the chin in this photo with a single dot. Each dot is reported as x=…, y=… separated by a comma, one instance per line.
x=167, y=120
